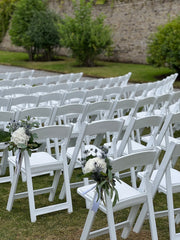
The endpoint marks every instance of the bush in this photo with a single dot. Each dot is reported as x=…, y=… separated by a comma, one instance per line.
x=86, y=37
x=164, y=46
x=20, y=22
x=6, y=10
x=43, y=31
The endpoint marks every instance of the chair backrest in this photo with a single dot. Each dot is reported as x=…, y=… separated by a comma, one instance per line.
x=41, y=114
x=97, y=111
x=161, y=104
x=5, y=118
x=98, y=130
x=112, y=93
x=75, y=77
x=38, y=81
x=80, y=85
x=27, y=73
x=123, y=108
x=6, y=84
x=50, y=99
x=91, y=84
x=60, y=87
x=23, y=102
x=135, y=131
x=4, y=104
x=67, y=114
x=14, y=92
x=94, y=95
x=144, y=107
x=52, y=79
x=74, y=97
x=21, y=82
x=140, y=159
x=59, y=134
x=38, y=90
x=128, y=91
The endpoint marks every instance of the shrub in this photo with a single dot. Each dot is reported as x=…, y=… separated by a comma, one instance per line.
x=6, y=10
x=43, y=31
x=21, y=19
x=164, y=46
x=86, y=37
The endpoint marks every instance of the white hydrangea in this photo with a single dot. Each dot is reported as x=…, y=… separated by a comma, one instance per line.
x=19, y=136
x=94, y=163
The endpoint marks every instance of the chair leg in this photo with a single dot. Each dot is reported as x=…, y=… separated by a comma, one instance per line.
x=4, y=162
x=30, y=191
x=12, y=191
x=88, y=225
x=110, y=218
x=54, y=185
x=67, y=186
x=131, y=219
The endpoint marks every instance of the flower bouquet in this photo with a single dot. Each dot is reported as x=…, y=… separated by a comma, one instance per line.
x=21, y=136
x=99, y=169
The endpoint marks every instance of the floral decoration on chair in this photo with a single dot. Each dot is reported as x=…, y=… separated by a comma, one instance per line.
x=22, y=138
x=99, y=169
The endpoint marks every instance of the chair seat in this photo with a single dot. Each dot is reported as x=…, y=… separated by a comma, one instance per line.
x=40, y=161
x=175, y=179
x=128, y=196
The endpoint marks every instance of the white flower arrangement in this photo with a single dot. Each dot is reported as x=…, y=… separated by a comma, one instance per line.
x=20, y=137
x=99, y=170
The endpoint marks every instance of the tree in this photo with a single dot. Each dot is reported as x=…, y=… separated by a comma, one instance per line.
x=21, y=19
x=164, y=46
x=86, y=37
x=43, y=31
x=6, y=10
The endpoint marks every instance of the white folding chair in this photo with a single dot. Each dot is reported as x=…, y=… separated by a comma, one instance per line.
x=6, y=84
x=161, y=104
x=27, y=73
x=5, y=118
x=166, y=180
x=41, y=162
x=129, y=197
x=52, y=79
x=98, y=130
x=80, y=85
x=60, y=87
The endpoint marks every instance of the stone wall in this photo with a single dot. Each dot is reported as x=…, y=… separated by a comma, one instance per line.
x=132, y=22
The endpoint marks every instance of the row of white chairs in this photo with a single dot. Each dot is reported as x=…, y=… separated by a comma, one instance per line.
x=18, y=74
x=67, y=81
x=147, y=105
x=94, y=128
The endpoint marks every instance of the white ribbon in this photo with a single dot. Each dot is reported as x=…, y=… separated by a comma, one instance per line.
x=95, y=205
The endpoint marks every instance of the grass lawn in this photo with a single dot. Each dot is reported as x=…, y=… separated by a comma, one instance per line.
x=140, y=73
x=16, y=225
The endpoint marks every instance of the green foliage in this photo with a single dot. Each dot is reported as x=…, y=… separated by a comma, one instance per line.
x=164, y=46
x=43, y=31
x=86, y=37
x=6, y=10
x=21, y=19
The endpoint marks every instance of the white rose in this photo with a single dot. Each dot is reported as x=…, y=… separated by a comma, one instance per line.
x=94, y=163
x=19, y=136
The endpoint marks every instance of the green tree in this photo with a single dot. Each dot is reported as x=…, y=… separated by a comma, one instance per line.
x=164, y=46
x=6, y=10
x=21, y=19
x=43, y=31
x=85, y=36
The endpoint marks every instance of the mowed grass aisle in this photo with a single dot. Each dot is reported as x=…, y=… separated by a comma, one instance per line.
x=16, y=225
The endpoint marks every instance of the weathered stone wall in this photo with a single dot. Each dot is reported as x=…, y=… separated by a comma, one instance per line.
x=132, y=22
